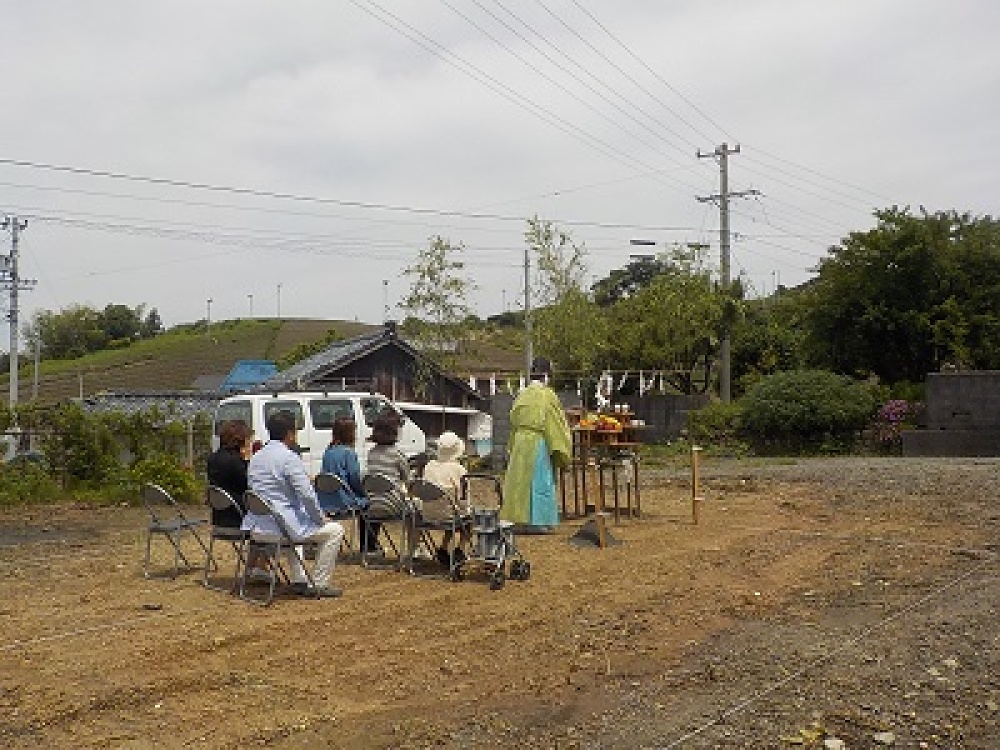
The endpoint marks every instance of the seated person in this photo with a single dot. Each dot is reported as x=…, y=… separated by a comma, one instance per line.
x=386, y=459
x=278, y=476
x=340, y=460
x=227, y=470
x=446, y=472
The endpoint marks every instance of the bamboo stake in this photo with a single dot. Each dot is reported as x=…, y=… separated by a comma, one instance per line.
x=695, y=484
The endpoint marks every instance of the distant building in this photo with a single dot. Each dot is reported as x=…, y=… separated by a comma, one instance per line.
x=380, y=362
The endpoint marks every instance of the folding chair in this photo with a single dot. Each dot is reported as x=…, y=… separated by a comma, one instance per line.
x=439, y=513
x=167, y=519
x=220, y=500
x=326, y=482
x=386, y=504
x=270, y=547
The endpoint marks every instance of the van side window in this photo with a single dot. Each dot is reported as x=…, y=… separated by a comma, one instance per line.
x=234, y=410
x=270, y=407
x=324, y=412
x=373, y=408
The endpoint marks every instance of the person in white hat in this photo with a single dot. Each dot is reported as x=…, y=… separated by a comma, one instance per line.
x=446, y=472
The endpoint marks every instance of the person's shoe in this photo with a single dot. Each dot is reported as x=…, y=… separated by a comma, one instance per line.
x=459, y=557
x=301, y=588
x=443, y=557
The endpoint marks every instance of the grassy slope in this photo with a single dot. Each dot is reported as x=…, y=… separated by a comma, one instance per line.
x=175, y=359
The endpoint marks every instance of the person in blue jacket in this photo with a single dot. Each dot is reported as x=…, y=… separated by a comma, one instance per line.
x=340, y=459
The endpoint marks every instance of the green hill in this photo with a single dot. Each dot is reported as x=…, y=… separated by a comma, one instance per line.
x=177, y=358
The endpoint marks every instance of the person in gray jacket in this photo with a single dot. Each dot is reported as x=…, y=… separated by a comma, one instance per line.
x=278, y=476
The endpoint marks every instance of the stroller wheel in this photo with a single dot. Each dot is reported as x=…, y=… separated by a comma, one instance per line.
x=525, y=569
x=515, y=570
x=497, y=580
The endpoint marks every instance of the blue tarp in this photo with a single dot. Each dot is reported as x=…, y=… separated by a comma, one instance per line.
x=248, y=373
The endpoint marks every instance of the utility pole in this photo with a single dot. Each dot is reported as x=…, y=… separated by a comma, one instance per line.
x=208, y=317
x=279, y=300
x=11, y=279
x=529, y=354
x=250, y=298
x=385, y=301
x=722, y=154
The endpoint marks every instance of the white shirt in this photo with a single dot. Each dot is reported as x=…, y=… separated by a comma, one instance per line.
x=277, y=474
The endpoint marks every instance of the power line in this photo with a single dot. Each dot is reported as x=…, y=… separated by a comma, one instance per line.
x=298, y=197
x=558, y=65
x=656, y=75
x=413, y=34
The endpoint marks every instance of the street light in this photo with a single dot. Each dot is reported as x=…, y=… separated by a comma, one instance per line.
x=208, y=316
x=250, y=299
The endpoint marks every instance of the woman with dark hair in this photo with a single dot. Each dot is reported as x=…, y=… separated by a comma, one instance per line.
x=227, y=469
x=340, y=459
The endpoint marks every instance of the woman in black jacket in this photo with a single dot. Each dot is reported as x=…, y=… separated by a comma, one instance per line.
x=227, y=469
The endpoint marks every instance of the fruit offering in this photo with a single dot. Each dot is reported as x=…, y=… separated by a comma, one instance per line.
x=607, y=423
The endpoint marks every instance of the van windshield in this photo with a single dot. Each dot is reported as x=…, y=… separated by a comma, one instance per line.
x=324, y=412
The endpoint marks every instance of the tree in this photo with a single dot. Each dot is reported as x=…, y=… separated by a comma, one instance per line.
x=70, y=333
x=673, y=323
x=770, y=337
x=151, y=324
x=438, y=295
x=121, y=322
x=622, y=283
x=561, y=265
x=570, y=328
x=910, y=296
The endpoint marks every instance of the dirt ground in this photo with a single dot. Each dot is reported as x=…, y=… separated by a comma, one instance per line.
x=818, y=600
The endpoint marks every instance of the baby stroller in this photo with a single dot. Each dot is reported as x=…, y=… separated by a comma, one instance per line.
x=493, y=540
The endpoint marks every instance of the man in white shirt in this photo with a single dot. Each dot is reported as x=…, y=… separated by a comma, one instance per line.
x=277, y=475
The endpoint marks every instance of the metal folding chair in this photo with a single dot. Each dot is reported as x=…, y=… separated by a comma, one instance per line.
x=220, y=500
x=270, y=548
x=326, y=482
x=439, y=512
x=168, y=520
x=386, y=504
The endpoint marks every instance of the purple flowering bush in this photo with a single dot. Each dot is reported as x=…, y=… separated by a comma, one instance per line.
x=891, y=419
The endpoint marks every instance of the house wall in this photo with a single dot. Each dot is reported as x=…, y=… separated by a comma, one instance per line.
x=392, y=372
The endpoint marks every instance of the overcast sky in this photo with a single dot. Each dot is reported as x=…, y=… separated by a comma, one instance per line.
x=465, y=117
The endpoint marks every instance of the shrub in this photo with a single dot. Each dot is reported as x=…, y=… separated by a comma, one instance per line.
x=167, y=471
x=716, y=424
x=807, y=410
x=27, y=481
x=890, y=420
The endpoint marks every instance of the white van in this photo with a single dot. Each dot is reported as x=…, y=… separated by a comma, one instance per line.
x=314, y=415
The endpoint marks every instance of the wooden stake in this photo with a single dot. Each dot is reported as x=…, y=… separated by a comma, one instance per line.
x=695, y=484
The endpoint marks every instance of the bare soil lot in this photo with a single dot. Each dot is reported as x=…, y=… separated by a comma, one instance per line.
x=852, y=599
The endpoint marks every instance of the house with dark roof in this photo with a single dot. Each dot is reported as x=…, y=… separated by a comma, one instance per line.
x=380, y=362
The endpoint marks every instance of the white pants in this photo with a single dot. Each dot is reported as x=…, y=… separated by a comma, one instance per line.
x=329, y=538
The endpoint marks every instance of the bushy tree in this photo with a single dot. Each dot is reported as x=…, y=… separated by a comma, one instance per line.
x=909, y=296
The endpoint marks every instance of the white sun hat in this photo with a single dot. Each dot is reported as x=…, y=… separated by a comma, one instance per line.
x=450, y=446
